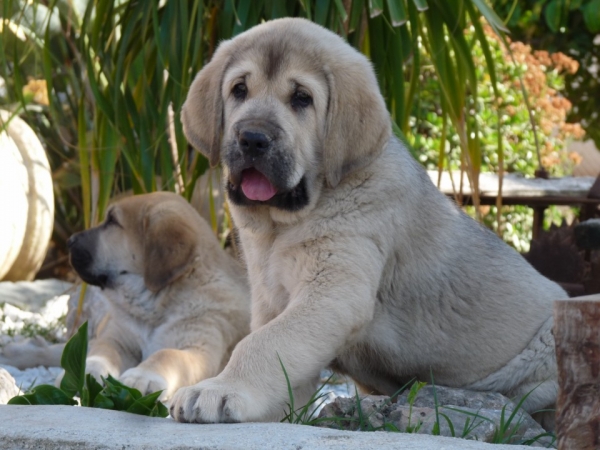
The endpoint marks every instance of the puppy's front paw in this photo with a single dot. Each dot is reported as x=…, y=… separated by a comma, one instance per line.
x=146, y=381
x=99, y=366
x=215, y=400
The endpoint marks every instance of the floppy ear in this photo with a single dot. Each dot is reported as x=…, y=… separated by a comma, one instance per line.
x=202, y=112
x=169, y=248
x=358, y=123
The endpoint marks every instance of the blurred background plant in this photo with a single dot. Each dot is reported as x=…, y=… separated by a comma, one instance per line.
x=571, y=27
x=543, y=76
x=102, y=82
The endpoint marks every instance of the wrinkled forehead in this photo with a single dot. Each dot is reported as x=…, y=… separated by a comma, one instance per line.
x=271, y=62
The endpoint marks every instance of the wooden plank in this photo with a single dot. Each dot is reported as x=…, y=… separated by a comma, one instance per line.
x=516, y=186
x=577, y=338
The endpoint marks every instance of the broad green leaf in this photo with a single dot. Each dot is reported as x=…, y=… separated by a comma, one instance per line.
x=43, y=394
x=122, y=396
x=553, y=14
x=73, y=361
x=90, y=391
x=149, y=406
x=575, y=4
x=161, y=410
x=103, y=402
x=591, y=15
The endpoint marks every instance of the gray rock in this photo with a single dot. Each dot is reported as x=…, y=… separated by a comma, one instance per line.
x=461, y=413
x=8, y=387
x=69, y=427
x=32, y=295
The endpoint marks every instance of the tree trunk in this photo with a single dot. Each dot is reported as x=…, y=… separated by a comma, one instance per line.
x=577, y=336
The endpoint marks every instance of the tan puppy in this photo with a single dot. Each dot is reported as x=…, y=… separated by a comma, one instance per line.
x=355, y=259
x=179, y=303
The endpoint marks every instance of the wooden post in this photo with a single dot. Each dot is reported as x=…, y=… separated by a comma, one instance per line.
x=577, y=337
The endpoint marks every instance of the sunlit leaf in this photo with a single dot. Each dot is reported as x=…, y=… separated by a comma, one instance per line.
x=73, y=362
x=591, y=15
x=43, y=395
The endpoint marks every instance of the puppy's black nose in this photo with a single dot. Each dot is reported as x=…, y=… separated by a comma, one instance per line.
x=254, y=143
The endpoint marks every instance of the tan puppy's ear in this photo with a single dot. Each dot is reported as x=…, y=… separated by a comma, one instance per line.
x=358, y=123
x=169, y=247
x=202, y=112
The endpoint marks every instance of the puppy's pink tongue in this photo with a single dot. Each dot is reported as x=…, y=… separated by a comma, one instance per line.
x=256, y=186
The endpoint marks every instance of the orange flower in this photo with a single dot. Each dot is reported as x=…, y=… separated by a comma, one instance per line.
x=38, y=90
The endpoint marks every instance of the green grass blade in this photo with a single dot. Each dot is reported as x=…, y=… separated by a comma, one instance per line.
x=397, y=12
x=339, y=6
x=490, y=15
x=421, y=5
x=355, y=15
x=375, y=8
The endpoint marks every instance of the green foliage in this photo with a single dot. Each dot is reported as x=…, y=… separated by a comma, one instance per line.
x=502, y=118
x=305, y=414
x=571, y=27
x=412, y=396
x=73, y=362
x=103, y=82
x=113, y=395
x=505, y=433
x=44, y=394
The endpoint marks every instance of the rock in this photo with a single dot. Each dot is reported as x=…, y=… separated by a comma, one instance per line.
x=462, y=413
x=16, y=322
x=32, y=296
x=70, y=427
x=26, y=201
x=8, y=387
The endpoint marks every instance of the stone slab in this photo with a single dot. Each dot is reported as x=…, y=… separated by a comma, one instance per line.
x=68, y=427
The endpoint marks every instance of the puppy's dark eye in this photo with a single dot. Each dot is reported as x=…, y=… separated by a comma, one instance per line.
x=301, y=99
x=240, y=91
x=110, y=220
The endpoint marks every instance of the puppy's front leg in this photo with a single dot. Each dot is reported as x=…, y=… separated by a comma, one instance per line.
x=169, y=369
x=327, y=308
x=112, y=352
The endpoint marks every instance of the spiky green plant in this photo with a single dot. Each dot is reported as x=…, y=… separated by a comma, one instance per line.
x=117, y=73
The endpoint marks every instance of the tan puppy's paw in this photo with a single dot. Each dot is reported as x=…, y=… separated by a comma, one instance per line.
x=146, y=381
x=99, y=367
x=215, y=400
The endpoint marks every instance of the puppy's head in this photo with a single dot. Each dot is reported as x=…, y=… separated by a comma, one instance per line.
x=283, y=106
x=153, y=237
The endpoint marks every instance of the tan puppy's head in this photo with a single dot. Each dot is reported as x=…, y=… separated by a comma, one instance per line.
x=285, y=106
x=152, y=237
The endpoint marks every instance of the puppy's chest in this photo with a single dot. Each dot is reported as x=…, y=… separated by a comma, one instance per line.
x=273, y=278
